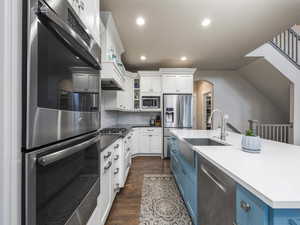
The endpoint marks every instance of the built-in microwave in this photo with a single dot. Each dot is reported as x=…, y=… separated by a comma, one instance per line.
x=150, y=102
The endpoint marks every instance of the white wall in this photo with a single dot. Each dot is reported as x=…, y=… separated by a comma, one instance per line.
x=10, y=115
x=259, y=73
x=239, y=99
x=288, y=69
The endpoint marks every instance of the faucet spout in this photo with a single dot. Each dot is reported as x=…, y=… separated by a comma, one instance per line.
x=224, y=118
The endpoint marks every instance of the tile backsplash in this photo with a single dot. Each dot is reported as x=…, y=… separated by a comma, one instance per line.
x=135, y=118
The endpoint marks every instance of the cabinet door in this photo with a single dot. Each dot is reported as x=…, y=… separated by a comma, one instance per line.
x=135, y=141
x=105, y=194
x=249, y=209
x=185, y=84
x=155, y=143
x=130, y=99
x=155, y=84
x=145, y=84
x=145, y=143
x=169, y=84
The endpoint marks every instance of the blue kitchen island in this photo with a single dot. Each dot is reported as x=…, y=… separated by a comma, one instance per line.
x=266, y=188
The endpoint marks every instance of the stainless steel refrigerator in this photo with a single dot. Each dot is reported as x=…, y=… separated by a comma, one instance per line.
x=177, y=113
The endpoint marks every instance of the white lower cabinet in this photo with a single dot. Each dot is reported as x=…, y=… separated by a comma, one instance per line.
x=106, y=183
x=150, y=140
x=115, y=165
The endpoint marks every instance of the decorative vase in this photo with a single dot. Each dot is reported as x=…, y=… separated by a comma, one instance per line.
x=251, y=144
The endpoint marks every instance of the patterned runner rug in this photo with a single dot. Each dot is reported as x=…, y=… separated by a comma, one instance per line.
x=162, y=203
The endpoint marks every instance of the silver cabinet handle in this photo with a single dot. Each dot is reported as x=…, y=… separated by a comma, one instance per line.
x=213, y=178
x=245, y=206
x=116, y=146
x=116, y=157
x=108, y=165
x=108, y=155
x=150, y=130
x=117, y=188
x=116, y=171
x=128, y=149
x=54, y=157
x=150, y=135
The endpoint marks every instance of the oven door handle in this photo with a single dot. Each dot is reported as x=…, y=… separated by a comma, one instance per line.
x=64, y=31
x=57, y=156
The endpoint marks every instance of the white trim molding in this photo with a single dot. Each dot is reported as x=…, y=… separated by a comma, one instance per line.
x=178, y=71
x=10, y=115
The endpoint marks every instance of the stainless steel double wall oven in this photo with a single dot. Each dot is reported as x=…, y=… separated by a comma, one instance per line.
x=61, y=115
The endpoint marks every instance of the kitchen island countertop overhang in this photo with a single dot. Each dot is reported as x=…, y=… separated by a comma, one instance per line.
x=272, y=175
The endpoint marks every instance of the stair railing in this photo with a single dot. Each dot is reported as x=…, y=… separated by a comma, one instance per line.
x=233, y=128
x=275, y=132
x=288, y=43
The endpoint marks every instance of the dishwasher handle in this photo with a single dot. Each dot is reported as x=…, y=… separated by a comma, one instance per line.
x=213, y=178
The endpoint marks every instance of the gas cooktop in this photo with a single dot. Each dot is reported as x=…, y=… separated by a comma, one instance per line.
x=108, y=131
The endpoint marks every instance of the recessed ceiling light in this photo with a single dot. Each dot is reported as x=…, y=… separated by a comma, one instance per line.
x=206, y=22
x=143, y=58
x=183, y=58
x=140, y=21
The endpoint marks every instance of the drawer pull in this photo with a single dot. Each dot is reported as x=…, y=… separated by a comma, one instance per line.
x=245, y=206
x=108, y=155
x=117, y=188
x=128, y=149
x=116, y=171
x=116, y=157
x=108, y=165
x=117, y=146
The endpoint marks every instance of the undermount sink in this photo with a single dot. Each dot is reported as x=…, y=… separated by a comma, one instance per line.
x=203, y=142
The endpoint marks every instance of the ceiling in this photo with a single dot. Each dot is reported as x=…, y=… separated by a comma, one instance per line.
x=259, y=73
x=173, y=29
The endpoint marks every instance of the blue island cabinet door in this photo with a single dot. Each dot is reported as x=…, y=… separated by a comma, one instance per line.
x=285, y=217
x=249, y=209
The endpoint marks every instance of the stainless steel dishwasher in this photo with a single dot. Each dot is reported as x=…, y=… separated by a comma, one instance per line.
x=216, y=195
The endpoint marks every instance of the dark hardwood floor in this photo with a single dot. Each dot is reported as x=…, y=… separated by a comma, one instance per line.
x=126, y=206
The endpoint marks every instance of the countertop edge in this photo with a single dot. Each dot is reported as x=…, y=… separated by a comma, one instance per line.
x=250, y=188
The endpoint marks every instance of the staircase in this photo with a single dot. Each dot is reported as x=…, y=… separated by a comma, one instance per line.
x=287, y=43
x=283, y=53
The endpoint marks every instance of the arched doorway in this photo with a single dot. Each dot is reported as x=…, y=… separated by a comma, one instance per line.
x=203, y=104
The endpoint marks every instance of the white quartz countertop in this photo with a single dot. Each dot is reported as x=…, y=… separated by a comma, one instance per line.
x=272, y=175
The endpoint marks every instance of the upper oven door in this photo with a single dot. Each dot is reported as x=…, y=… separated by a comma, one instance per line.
x=62, y=76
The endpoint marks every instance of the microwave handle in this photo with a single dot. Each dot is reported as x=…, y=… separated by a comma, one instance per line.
x=54, y=157
x=65, y=32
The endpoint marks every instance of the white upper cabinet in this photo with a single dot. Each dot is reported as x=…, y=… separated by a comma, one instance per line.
x=150, y=82
x=177, y=81
x=113, y=71
x=89, y=13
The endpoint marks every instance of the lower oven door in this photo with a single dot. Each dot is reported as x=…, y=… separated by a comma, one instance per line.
x=62, y=183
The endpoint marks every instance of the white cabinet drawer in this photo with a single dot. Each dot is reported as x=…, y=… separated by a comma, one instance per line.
x=151, y=130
